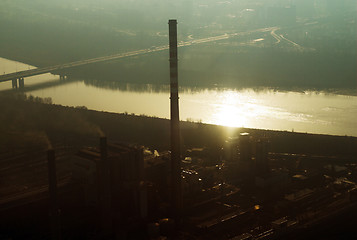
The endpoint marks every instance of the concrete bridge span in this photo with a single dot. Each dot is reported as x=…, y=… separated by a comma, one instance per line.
x=17, y=78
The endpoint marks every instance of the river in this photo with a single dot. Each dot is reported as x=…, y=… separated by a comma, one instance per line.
x=307, y=111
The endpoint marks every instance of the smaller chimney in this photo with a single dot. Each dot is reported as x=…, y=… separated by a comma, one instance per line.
x=53, y=201
x=105, y=189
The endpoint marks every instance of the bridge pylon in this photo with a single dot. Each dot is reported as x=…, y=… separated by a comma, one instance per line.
x=14, y=83
x=18, y=83
x=63, y=77
x=21, y=82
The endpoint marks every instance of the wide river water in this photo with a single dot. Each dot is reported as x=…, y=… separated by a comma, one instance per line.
x=309, y=111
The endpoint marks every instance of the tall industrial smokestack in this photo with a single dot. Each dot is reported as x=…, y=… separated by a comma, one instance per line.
x=53, y=201
x=175, y=128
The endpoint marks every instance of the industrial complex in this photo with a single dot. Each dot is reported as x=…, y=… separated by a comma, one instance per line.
x=116, y=190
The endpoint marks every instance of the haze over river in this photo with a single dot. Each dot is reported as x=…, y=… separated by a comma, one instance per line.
x=309, y=111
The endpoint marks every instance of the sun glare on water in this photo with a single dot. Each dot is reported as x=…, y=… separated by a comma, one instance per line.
x=236, y=109
x=229, y=115
x=228, y=111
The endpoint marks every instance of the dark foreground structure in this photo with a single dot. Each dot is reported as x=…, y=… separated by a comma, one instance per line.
x=121, y=191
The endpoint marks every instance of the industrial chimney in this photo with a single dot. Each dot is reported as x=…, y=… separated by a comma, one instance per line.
x=176, y=197
x=53, y=198
x=105, y=189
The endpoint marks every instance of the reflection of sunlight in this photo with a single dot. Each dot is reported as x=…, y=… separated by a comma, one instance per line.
x=228, y=112
x=228, y=115
x=236, y=109
x=245, y=109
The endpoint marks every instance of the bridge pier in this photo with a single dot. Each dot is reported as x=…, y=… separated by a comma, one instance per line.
x=14, y=83
x=21, y=82
x=63, y=77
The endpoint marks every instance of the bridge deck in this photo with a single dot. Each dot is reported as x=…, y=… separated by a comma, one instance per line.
x=61, y=67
